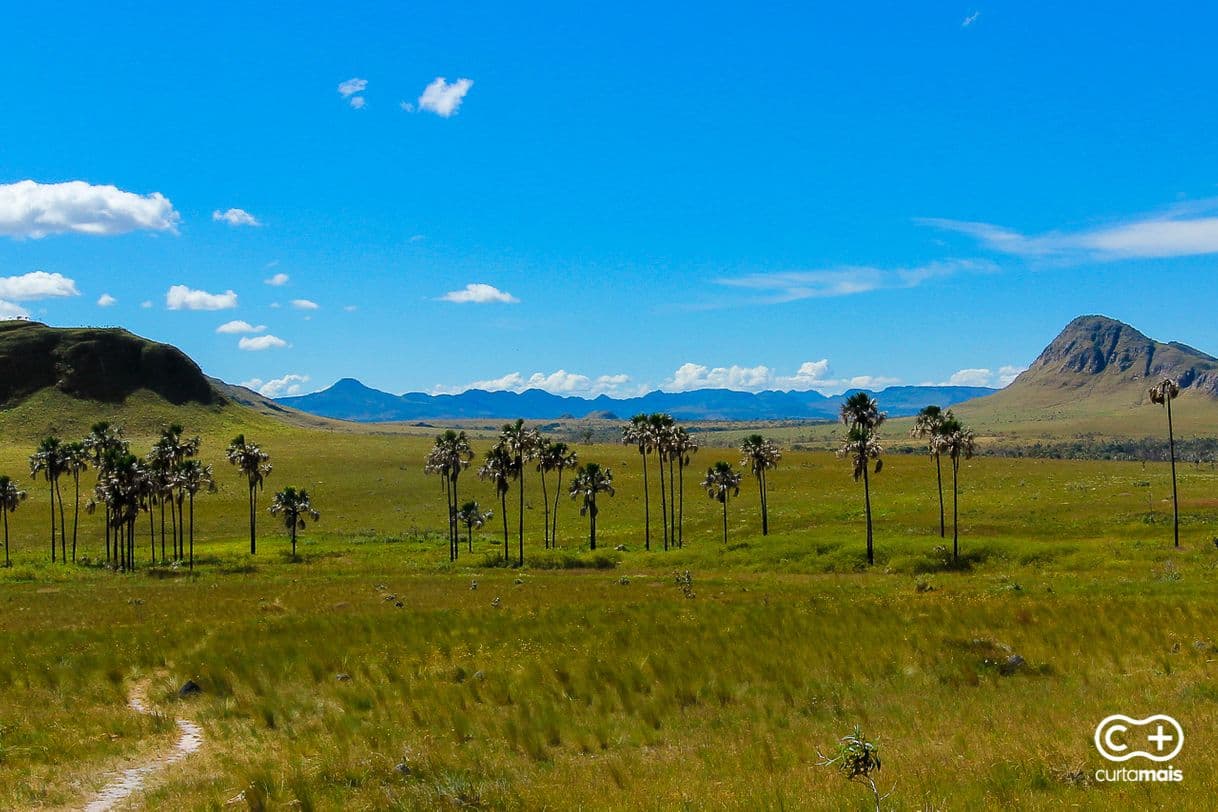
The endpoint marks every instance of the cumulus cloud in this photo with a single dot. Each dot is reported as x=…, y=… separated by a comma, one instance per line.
x=238, y=327
x=559, y=382
x=810, y=375
x=180, y=297
x=982, y=376
x=35, y=210
x=288, y=385
x=790, y=286
x=260, y=343
x=478, y=293
x=444, y=99
x=278, y=280
x=235, y=217
x=305, y=304
x=12, y=310
x=106, y=300
x=1177, y=232
x=36, y=285
x=1008, y=374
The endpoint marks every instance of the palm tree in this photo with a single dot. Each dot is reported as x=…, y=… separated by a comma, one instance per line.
x=661, y=438
x=103, y=441
x=10, y=499
x=564, y=460
x=722, y=482
x=683, y=448
x=956, y=441
x=928, y=425
x=551, y=456
x=255, y=465
x=638, y=434
x=192, y=477
x=521, y=443
x=48, y=460
x=75, y=460
x=863, y=418
x=295, y=507
x=591, y=479
x=473, y=517
x=122, y=484
x=498, y=467
x=761, y=455
x=1163, y=393
x=449, y=456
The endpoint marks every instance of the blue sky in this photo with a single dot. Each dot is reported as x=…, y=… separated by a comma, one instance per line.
x=775, y=196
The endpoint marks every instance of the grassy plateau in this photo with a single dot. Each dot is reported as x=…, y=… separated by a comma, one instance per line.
x=373, y=673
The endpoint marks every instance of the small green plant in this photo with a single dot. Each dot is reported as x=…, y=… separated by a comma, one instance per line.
x=857, y=759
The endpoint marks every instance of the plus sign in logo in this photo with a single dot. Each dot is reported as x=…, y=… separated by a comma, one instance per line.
x=1120, y=738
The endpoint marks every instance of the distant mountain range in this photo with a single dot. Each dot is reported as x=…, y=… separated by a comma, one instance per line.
x=349, y=399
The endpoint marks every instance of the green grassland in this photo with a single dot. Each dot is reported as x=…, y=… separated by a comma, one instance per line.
x=596, y=680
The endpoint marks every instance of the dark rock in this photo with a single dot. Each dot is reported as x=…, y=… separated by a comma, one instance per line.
x=190, y=688
x=343, y=677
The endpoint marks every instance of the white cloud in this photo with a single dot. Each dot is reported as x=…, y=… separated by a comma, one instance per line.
x=358, y=102
x=1177, y=232
x=444, y=99
x=235, y=217
x=146, y=304
x=34, y=210
x=559, y=382
x=11, y=310
x=181, y=297
x=981, y=376
x=970, y=19
x=289, y=384
x=790, y=286
x=350, y=308
x=36, y=285
x=1007, y=374
x=478, y=293
x=260, y=343
x=237, y=327
x=352, y=86
x=406, y=106
x=278, y=280
x=106, y=300
x=811, y=375
x=305, y=304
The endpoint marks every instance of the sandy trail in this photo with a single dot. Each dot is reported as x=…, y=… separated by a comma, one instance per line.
x=130, y=781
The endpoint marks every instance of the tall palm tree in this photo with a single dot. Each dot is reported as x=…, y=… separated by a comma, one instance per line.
x=48, y=460
x=449, y=456
x=722, y=482
x=1163, y=393
x=591, y=479
x=498, y=466
x=957, y=442
x=661, y=426
x=192, y=477
x=10, y=499
x=103, y=441
x=761, y=455
x=565, y=459
x=551, y=456
x=473, y=517
x=928, y=425
x=682, y=450
x=121, y=487
x=638, y=434
x=863, y=419
x=255, y=465
x=522, y=443
x=294, y=506
x=76, y=461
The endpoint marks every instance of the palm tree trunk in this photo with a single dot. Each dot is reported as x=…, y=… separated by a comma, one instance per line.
x=520, y=518
x=63, y=526
x=253, y=507
x=192, y=532
x=545, y=502
x=75, y=512
x=294, y=520
x=672, y=504
x=663, y=499
x=761, y=495
x=681, y=510
x=151, y=535
x=453, y=523
x=4, y=510
x=955, y=510
x=725, y=522
x=163, y=556
x=939, y=476
x=557, y=496
x=1175, y=500
x=503, y=513
x=867, y=510
x=591, y=528
x=646, y=505
x=448, y=508
x=53, y=553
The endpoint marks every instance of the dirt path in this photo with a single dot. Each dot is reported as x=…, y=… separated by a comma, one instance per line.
x=130, y=781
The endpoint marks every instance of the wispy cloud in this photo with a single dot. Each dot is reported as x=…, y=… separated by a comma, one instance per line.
x=260, y=343
x=970, y=19
x=35, y=210
x=478, y=293
x=235, y=217
x=790, y=286
x=290, y=384
x=351, y=89
x=278, y=280
x=1177, y=232
x=181, y=297
x=305, y=304
x=444, y=99
x=559, y=382
x=238, y=327
x=36, y=285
